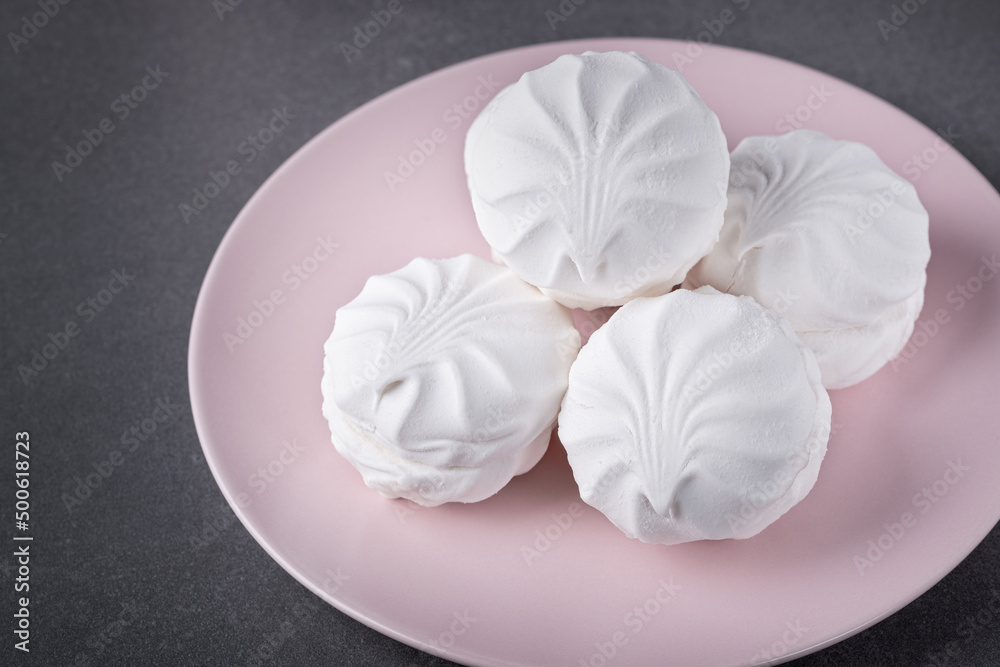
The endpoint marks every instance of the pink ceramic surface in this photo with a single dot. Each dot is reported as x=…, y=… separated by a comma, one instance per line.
x=531, y=576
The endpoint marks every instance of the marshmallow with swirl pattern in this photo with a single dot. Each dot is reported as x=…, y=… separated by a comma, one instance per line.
x=824, y=233
x=694, y=415
x=598, y=178
x=442, y=380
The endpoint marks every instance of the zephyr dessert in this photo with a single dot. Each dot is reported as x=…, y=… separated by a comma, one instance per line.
x=693, y=413
x=442, y=380
x=823, y=232
x=598, y=178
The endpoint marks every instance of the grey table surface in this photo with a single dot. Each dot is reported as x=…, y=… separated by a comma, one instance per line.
x=120, y=578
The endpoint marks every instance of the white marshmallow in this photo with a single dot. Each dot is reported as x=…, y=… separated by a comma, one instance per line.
x=598, y=178
x=828, y=236
x=694, y=415
x=442, y=380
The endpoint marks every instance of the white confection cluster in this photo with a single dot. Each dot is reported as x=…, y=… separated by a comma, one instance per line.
x=749, y=285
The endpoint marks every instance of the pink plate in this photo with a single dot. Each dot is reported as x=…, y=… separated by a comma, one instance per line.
x=532, y=576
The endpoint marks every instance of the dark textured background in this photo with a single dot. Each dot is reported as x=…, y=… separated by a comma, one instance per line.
x=118, y=578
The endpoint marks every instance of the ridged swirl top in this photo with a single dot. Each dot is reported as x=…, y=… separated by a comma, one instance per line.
x=819, y=229
x=445, y=364
x=598, y=177
x=694, y=415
